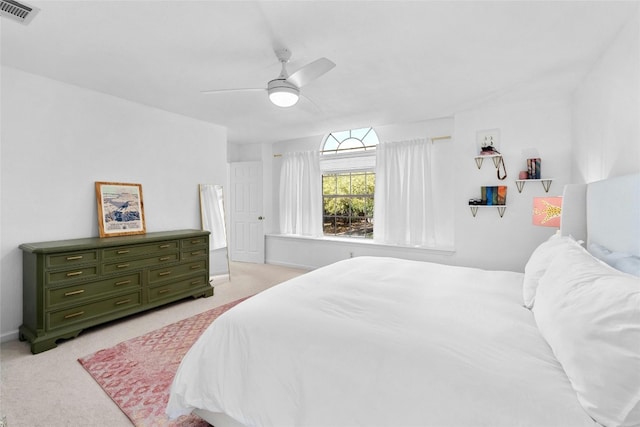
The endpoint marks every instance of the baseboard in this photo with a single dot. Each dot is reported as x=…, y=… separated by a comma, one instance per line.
x=292, y=265
x=9, y=336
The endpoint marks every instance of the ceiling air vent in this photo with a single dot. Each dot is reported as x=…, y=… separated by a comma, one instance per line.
x=18, y=11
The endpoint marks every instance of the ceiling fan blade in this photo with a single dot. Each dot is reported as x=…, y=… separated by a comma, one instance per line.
x=246, y=89
x=311, y=71
x=316, y=107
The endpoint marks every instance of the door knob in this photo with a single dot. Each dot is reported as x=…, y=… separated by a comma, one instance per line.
x=260, y=218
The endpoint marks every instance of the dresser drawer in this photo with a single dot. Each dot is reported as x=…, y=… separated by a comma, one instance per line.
x=175, y=288
x=86, y=291
x=59, y=277
x=194, y=253
x=138, y=263
x=169, y=272
x=194, y=242
x=70, y=259
x=70, y=316
x=122, y=252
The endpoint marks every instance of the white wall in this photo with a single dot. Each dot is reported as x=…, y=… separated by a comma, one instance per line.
x=58, y=139
x=582, y=137
x=606, y=111
x=487, y=240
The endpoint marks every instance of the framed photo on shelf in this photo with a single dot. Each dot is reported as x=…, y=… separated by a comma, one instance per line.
x=488, y=141
x=120, y=209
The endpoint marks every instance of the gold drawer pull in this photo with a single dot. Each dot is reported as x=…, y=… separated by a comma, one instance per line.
x=75, y=273
x=69, y=316
x=123, y=265
x=68, y=294
x=165, y=258
x=165, y=246
x=163, y=291
x=73, y=258
x=196, y=282
x=197, y=253
x=123, y=301
x=164, y=273
x=193, y=267
x=123, y=251
x=124, y=282
x=195, y=242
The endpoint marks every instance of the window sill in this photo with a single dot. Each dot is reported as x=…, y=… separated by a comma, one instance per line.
x=355, y=241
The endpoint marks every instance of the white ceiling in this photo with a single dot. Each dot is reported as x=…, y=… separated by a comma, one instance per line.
x=397, y=61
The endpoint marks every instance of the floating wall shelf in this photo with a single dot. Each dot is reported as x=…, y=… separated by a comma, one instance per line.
x=501, y=209
x=546, y=183
x=495, y=157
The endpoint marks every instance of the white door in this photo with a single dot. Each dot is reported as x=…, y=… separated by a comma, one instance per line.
x=247, y=231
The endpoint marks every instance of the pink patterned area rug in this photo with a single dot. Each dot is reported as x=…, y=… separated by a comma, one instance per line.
x=137, y=374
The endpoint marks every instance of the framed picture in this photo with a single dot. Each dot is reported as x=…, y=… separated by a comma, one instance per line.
x=488, y=141
x=120, y=209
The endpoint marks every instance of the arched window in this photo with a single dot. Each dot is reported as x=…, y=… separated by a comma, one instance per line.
x=350, y=140
x=348, y=182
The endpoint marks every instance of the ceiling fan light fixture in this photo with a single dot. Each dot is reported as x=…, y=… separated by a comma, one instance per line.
x=283, y=93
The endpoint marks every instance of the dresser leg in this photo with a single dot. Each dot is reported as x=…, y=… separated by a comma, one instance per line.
x=205, y=294
x=40, y=345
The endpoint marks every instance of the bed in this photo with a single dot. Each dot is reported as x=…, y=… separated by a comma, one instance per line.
x=374, y=341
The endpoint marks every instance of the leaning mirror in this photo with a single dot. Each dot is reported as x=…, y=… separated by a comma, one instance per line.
x=212, y=218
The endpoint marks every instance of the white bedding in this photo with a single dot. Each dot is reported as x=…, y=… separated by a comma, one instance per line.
x=380, y=341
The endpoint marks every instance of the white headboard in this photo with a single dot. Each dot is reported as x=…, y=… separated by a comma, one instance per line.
x=606, y=212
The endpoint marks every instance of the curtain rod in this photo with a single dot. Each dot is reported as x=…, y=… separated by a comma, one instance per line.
x=440, y=138
x=435, y=138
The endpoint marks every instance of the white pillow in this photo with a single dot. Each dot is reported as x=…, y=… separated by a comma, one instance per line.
x=630, y=264
x=589, y=314
x=618, y=260
x=538, y=263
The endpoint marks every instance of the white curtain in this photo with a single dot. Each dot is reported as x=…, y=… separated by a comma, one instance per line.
x=301, y=194
x=404, y=197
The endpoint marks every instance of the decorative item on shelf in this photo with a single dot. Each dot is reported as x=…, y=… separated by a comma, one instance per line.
x=493, y=195
x=488, y=144
x=502, y=176
x=487, y=148
x=490, y=196
x=533, y=171
x=502, y=195
x=533, y=168
x=120, y=209
x=488, y=141
x=547, y=211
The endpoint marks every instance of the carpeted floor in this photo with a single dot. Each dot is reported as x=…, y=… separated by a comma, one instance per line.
x=51, y=389
x=137, y=373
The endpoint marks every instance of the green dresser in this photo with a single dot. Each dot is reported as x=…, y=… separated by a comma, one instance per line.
x=70, y=285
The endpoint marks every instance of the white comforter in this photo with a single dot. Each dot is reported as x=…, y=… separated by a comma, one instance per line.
x=380, y=341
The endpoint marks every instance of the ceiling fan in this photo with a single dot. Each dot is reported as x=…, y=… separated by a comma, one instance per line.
x=284, y=90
